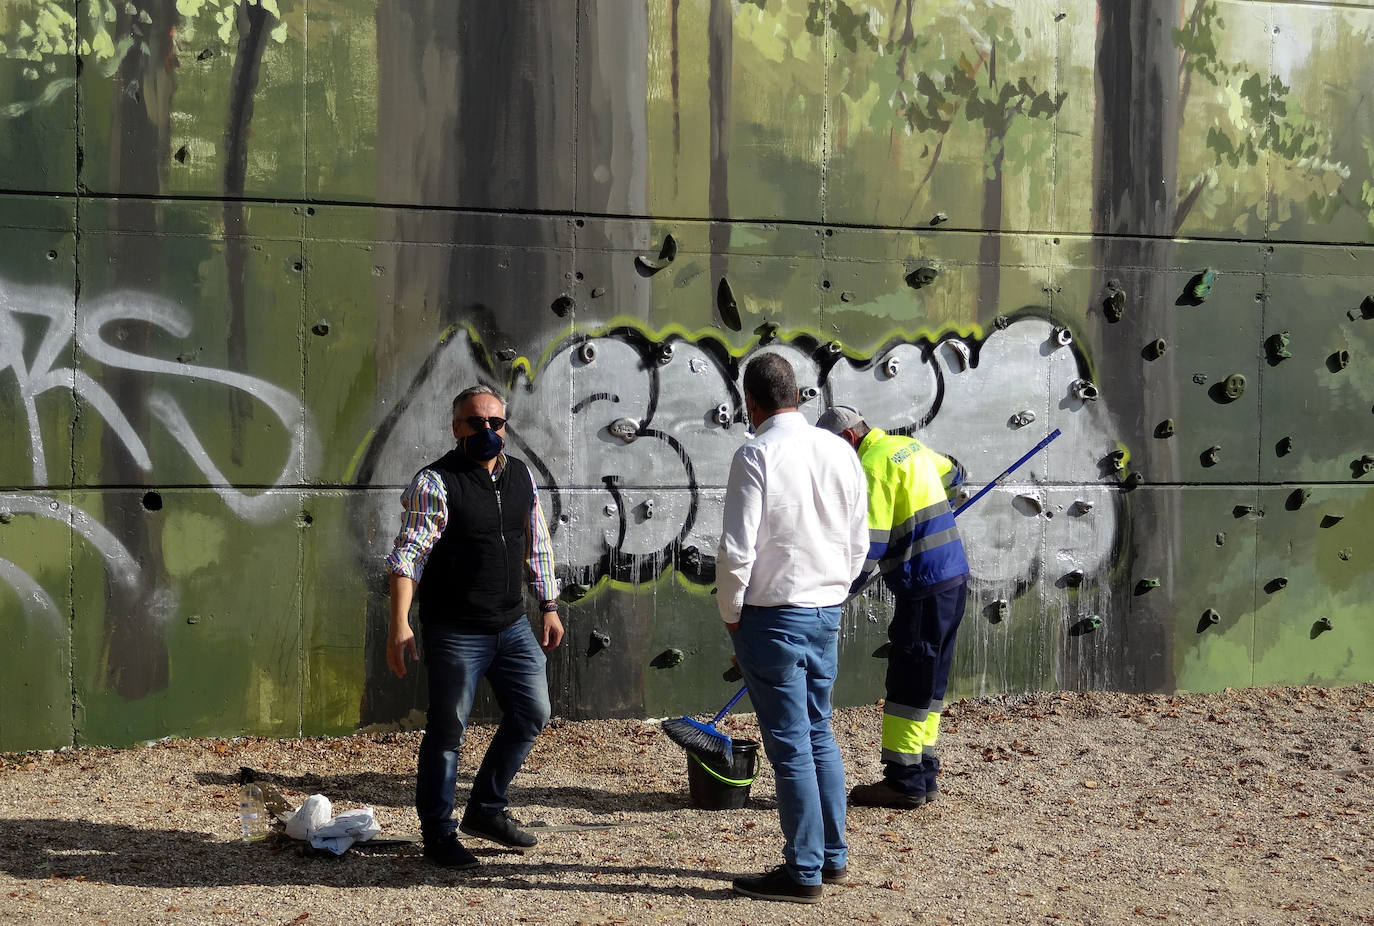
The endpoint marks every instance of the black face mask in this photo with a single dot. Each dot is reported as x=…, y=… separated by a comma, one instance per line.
x=483, y=446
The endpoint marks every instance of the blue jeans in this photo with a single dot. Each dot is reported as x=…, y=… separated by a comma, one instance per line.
x=514, y=665
x=789, y=657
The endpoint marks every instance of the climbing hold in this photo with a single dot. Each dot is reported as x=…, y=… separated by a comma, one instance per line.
x=1081, y=506
x=1165, y=428
x=6, y=517
x=667, y=659
x=1345, y=554
x=1074, y=578
x=1284, y=447
x=1234, y=386
x=627, y=429
x=1211, y=616
x=1031, y=503
x=1001, y=608
x=1201, y=286
x=961, y=354
x=1367, y=307
x=1117, y=460
x=1212, y=455
x=1114, y=305
x=320, y=328
x=809, y=393
x=598, y=292
x=1331, y=520
x=574, y=592
x=1092, y=622
x=690, y=558
x=846, y=296
x=1323, y=625
x=726, y=306
x=597, y=642
x=1023, y=418
x=562, y=305
x=506, y=354
x=1297, y=497
x=1156, y=348
x=1062, y=336
x=766, y=332
x=1339, y=360
x=939, y=218
x=1221, y=538
x=923, y=275
x=722, y=415
x=1001, y=322
x=608, y=510
x=665, y=353
x=1133, y=480
x=833, y=348
x=1277, y=347
x=1083, y=390
x=891, y=366
x=648, y=266
x=1146, y=584
x=587, y=352
x=648, y=507
x=1276, y=584
x=1364, y=464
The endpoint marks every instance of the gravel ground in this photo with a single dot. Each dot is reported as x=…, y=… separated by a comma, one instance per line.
x=1245, y=806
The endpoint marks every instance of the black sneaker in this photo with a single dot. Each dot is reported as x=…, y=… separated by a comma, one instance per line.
x=882, y=794
x=449, y=853
x=834, y=875
x=777, y=885
x=500, y=828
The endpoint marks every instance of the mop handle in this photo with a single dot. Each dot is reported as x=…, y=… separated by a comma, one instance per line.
x=733, y=701
x=1008, y=471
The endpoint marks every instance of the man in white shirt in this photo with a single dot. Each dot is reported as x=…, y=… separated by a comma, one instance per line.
x=795, y=536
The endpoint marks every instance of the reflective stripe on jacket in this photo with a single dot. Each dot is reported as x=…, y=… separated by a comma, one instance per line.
x=911, y=532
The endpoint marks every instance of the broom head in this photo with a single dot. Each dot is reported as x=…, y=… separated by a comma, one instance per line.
x=698, y=738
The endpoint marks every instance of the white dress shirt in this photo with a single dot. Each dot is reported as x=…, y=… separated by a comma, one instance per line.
x=795, y=530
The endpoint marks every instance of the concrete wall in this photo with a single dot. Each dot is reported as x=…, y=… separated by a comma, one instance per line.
x=250, y=252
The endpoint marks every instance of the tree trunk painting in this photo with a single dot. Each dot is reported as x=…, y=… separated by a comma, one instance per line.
x=1135, y=158
x=134, y=649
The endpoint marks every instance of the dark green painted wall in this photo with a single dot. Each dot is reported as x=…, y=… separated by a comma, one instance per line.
x=248, y=253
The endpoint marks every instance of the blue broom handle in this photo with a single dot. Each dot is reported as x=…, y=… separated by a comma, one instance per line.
x=733, y=701
x=1008, y=471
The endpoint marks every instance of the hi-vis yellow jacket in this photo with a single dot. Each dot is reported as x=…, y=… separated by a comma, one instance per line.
x=911, y=534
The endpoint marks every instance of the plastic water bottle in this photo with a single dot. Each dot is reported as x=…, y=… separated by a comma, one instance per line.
x=252, y=813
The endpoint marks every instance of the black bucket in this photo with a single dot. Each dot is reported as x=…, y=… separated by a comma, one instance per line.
x=719, y=785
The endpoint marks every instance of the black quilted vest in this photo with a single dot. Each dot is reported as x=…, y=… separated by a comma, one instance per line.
x=475, y=575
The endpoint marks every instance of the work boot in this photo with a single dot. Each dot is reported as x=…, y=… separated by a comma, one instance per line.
x=500, y=828
x=834, y=875
x=882, y=794
x=776, y=885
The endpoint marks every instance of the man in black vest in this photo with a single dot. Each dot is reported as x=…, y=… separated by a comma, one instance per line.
x=472, y=532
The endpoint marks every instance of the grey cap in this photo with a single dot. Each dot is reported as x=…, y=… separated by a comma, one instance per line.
x=839, y=418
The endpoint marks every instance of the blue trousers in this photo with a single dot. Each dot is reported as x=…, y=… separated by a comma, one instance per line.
x=922, y=635
x=789, y=657
x=514, y=665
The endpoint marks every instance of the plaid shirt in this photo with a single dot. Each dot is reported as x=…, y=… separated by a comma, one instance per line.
x=426, y=513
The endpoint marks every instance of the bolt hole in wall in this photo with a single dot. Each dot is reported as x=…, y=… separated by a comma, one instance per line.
x=152, y=501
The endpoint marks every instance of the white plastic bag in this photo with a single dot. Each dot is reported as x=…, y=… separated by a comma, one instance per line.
x=309, y=817
x=347, y=828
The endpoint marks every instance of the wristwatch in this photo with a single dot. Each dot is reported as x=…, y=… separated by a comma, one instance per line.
x=548, y=607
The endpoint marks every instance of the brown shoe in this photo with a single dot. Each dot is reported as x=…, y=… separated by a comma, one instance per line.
x=777, y=885
x=882, y=794
x=834, y=875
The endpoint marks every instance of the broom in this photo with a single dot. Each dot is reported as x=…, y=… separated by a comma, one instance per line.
x=703, y=739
